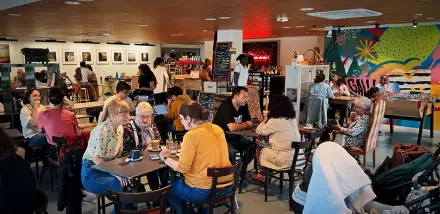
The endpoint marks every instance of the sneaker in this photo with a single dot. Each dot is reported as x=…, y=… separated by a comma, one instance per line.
x=259, y=177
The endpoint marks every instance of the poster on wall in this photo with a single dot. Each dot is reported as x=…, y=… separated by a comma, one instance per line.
x=117, y=57
x=69, y=57
x=131, y=57
x=291, y=93
x=102, y=57
x=52, y=56
x=86, y=56
x=5, y=57
x=144, y=57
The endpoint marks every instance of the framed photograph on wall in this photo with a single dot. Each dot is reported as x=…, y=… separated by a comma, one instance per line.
x=117, y=57
x=86, y=56
x=52, y=56
x=131, y=57
x=69, y=57
x=102, y=57
x=144, y=57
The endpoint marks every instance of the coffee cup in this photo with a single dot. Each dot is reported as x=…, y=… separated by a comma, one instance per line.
x=135, y=154
x=155, y=144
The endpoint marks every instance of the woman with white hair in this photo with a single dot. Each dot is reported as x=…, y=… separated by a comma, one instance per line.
x=358, y=129
x=138, y=133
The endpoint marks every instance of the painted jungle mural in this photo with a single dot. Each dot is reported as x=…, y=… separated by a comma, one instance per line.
x=410, y=56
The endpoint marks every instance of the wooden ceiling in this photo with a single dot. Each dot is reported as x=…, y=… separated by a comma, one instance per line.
x=174, y=21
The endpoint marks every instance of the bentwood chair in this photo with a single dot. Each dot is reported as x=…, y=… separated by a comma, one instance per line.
x=142, y=197
x=228, y=199
x=295, y=172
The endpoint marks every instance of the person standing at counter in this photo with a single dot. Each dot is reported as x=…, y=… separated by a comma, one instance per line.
x=241, y=73
x=147, y=81
x=161, y=75
x=206, y=74
x=383, y=84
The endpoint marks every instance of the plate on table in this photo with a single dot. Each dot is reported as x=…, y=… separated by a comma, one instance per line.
x=154, y=150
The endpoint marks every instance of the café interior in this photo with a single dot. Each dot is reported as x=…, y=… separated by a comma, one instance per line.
x=135, y=106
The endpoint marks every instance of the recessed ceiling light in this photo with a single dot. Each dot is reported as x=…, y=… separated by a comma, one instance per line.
x=307, y=9
x=224, y=17
x=370, y=22
x=124, y=13
x=286, y=27
x=173, y=35
x=179, y=34
x=144, y=25
x=210, y=19
x=106, y=34
x=299, y=26
x=14, y=14
x=205, y=30
x=430, y=18
x=172, y=50
x=86, y=0
x=418, y=14
x=282, y=19
x=307, y=32
x=72, y=2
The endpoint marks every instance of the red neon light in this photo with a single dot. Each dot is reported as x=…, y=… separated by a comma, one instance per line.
x=262, y=58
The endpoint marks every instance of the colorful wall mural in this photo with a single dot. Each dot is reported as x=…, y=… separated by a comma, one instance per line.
x=410, y=56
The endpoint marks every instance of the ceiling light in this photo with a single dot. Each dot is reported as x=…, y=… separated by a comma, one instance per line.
x=299, y=26
x=14, y=14
x=418, y=15
x=72, y=2
x=210, y=19
x=307, y=32
x=179, y=34
x=286, y=27
x=370, y=22
x=172, y=50
x=173, y=35
x=86, y=0
x=124, y=13
x=345, y=14
x=430, y=18
x=224, y=17
x=106, y=34
x=144, y=25
x=282, y=19
x=415, y=23
x=307, y=9
x=205, y=30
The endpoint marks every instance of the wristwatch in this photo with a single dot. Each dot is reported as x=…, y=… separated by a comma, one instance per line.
x=164, y=158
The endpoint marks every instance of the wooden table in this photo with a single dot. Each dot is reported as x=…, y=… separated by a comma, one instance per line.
x=343, y=100
x=78, y=106
x=132, y=169
x=411, y=109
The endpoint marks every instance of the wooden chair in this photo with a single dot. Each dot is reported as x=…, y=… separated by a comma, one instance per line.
x=373, y=132
x=135, y=198
x=293, y=172
x=83, y=126
x=227, y=200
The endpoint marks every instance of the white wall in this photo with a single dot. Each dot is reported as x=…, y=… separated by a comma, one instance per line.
x=208, y=49
x=286, y=46
x=100, y=70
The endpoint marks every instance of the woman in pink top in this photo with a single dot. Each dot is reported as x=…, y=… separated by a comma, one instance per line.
x=57, y=121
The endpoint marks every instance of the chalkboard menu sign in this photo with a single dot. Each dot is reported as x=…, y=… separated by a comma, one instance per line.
x=222, y=60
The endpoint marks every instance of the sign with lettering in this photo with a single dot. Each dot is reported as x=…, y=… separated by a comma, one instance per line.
x=222, y=59
x=359, y=86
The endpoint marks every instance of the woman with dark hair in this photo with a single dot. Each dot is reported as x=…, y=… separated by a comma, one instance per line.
x=161, y=75
x=280, y=126
x=147, y=81
x=29, y=118
x=17, y=183
x=204, y=146
x=57, y=121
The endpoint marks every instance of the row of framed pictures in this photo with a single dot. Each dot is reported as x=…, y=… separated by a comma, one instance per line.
x=102, y=57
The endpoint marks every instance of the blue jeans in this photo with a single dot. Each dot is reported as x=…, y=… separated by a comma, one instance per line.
x=98, y=182
x=181, y=192
x=38, y=140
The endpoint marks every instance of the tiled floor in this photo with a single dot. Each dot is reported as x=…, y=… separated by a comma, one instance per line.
x=252, y=200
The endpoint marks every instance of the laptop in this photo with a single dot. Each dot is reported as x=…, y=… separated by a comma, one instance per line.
x=160, y=109
x=122, y=76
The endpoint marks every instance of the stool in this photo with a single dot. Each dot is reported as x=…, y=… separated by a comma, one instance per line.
x=86, y=95
x=100, y=204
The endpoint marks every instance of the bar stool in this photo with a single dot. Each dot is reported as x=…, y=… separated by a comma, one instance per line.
x=100, y=201
x=86, y=94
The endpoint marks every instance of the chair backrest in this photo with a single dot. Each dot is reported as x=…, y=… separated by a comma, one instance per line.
x=76, y=141
x=230, y=175
x=307, y=150
x=142, y=197
x=76, y=88
x=375, y=123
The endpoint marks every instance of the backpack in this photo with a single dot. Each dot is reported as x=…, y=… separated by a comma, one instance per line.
x=73, y=142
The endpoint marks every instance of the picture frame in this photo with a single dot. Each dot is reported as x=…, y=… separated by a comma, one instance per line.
x=86, y=56
x=70, y=57
x=117, y=57
x=144, y=57
x=53, y=56
x=102, y=57
x=131, y=57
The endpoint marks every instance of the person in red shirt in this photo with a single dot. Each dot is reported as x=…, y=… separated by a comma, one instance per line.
x=57, y=121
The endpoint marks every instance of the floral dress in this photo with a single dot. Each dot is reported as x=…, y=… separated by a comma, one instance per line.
x=357, y=132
